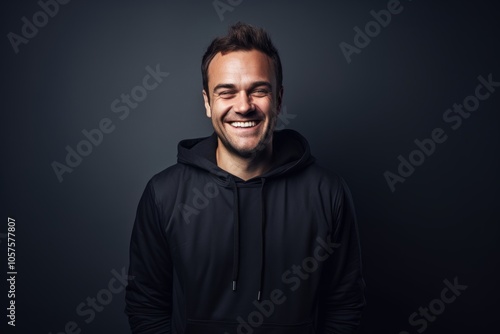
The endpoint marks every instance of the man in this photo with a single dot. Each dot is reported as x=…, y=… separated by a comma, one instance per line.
x=246, y=233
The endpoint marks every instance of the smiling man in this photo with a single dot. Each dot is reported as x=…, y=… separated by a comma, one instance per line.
x=246, y=233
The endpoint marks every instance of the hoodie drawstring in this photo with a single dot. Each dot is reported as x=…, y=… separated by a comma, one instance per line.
x=236, y=236
x=262, y=238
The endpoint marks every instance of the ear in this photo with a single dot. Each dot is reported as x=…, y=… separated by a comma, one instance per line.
x=208, y=110
x=279, y=100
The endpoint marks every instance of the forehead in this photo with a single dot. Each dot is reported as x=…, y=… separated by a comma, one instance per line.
x=240, y=67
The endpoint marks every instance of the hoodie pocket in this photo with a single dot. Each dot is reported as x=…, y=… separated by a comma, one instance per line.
x=246, y=327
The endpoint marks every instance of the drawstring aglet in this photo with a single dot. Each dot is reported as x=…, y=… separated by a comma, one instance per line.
x=258, y=296
x=234, y=285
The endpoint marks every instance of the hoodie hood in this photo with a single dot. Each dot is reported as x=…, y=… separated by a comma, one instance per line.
x=291, y=153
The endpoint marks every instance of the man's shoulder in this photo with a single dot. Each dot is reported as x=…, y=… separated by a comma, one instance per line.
x=319, y=173
x=327, y=182
x=164, y=185
x=167, y=176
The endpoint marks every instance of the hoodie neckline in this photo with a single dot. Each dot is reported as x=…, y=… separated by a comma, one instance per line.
x=290, y=152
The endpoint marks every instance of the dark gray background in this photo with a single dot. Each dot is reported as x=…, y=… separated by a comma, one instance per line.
x=440, y=224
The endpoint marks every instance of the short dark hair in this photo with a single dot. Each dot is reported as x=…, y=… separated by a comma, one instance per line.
x=242, y=36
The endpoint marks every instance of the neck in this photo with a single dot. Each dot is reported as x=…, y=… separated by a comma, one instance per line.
x=242, y=167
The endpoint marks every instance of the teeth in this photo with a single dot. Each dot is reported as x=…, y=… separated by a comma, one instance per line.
x=243, y=124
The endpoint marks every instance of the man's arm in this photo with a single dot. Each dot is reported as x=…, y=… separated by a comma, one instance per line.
x=344, y=299
x=149, y=293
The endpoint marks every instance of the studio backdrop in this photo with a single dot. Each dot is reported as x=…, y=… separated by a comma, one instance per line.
x=400, y=98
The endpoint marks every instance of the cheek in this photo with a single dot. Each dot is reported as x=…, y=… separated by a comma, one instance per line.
x=267, y=105
x=220, y=106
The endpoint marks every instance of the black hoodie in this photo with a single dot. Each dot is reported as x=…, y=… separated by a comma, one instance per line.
x=212, y=253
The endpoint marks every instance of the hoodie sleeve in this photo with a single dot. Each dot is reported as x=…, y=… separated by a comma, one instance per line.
x=344, y=299
x=149, y=293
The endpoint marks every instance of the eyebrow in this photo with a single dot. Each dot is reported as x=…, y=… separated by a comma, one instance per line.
x=252, y=86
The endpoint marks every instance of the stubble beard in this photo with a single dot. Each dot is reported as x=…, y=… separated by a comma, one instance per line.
x=258, y=149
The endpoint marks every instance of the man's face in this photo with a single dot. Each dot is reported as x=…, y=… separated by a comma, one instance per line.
x=244, y=101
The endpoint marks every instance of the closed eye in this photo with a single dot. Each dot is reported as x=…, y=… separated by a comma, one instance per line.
x=260, y=92
x=227, y=94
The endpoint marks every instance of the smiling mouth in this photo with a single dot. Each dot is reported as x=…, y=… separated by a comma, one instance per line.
x=249, y=124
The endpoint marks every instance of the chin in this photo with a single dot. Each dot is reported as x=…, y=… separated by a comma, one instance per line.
x=245, y=151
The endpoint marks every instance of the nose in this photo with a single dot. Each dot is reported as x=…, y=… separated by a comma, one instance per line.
x=243, y=103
